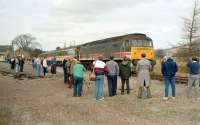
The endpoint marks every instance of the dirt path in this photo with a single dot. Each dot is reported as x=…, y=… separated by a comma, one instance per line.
x=48, y=101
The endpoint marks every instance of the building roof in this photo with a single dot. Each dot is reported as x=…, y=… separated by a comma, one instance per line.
x=4, y=48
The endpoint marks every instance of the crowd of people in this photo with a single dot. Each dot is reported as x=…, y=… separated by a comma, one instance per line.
x=17, y=64
x=74, y=75
x=41, y=65
x=74, y=72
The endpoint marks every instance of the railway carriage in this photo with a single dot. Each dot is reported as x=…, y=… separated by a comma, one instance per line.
x=59, y=54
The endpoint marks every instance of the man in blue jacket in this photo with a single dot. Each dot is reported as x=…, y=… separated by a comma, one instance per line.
x=169, y=69
x=193, y=77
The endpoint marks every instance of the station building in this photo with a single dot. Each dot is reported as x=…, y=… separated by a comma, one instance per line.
x=5, y=52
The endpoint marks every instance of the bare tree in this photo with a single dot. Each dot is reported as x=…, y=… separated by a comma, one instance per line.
x=192, y=28
x=25, y=42
x=58, y=48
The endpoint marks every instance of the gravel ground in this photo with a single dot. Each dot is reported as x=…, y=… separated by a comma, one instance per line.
x=47, y=101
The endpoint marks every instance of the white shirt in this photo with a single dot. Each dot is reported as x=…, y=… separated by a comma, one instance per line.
x=44, y=63
x=38, y=61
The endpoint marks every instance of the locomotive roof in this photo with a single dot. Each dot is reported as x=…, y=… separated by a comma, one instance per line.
x=136, y=35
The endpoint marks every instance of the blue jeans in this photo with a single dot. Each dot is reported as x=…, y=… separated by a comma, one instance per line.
x=112, y=85
x=99, y=86
x=167, y=81
x=78, y=84
x=38, y=70
x=17, y=68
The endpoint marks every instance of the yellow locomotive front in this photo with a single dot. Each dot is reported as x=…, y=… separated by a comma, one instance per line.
x=137, y=51
x=142, y=46
x=138, y=46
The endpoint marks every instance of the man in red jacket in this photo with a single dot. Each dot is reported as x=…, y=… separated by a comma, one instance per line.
x=100, y=70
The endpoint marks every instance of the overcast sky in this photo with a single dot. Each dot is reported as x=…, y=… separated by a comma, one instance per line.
x=54, y=22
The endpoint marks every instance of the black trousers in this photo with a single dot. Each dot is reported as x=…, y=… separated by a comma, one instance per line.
x=21, y=68
x=44, y=70
x=125, y=81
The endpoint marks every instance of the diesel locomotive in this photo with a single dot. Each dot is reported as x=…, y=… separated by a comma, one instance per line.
x=130, y=45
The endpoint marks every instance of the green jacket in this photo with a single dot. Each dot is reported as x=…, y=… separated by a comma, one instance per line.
x=125, y=70
x=78, y=70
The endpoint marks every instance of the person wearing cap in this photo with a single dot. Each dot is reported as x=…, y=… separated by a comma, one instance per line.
x=169, y=69
x=143, y=73
x=112, y=73
x=78, y=75
x=99, y=68
x=193, y=77
x=125, y=74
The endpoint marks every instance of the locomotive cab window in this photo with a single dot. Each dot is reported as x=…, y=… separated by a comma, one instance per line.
x=147, y=43
x=127, y=43
x=141, y=43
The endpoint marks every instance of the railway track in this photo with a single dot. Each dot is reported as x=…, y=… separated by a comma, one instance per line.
x=179, y=79
x=29, y=73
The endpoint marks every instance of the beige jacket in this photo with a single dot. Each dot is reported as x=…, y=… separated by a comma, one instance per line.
x=143, y=70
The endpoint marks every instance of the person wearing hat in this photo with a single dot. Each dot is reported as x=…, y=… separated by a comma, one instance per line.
x=169, y=69
x=143, y=73
x=193, y=77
